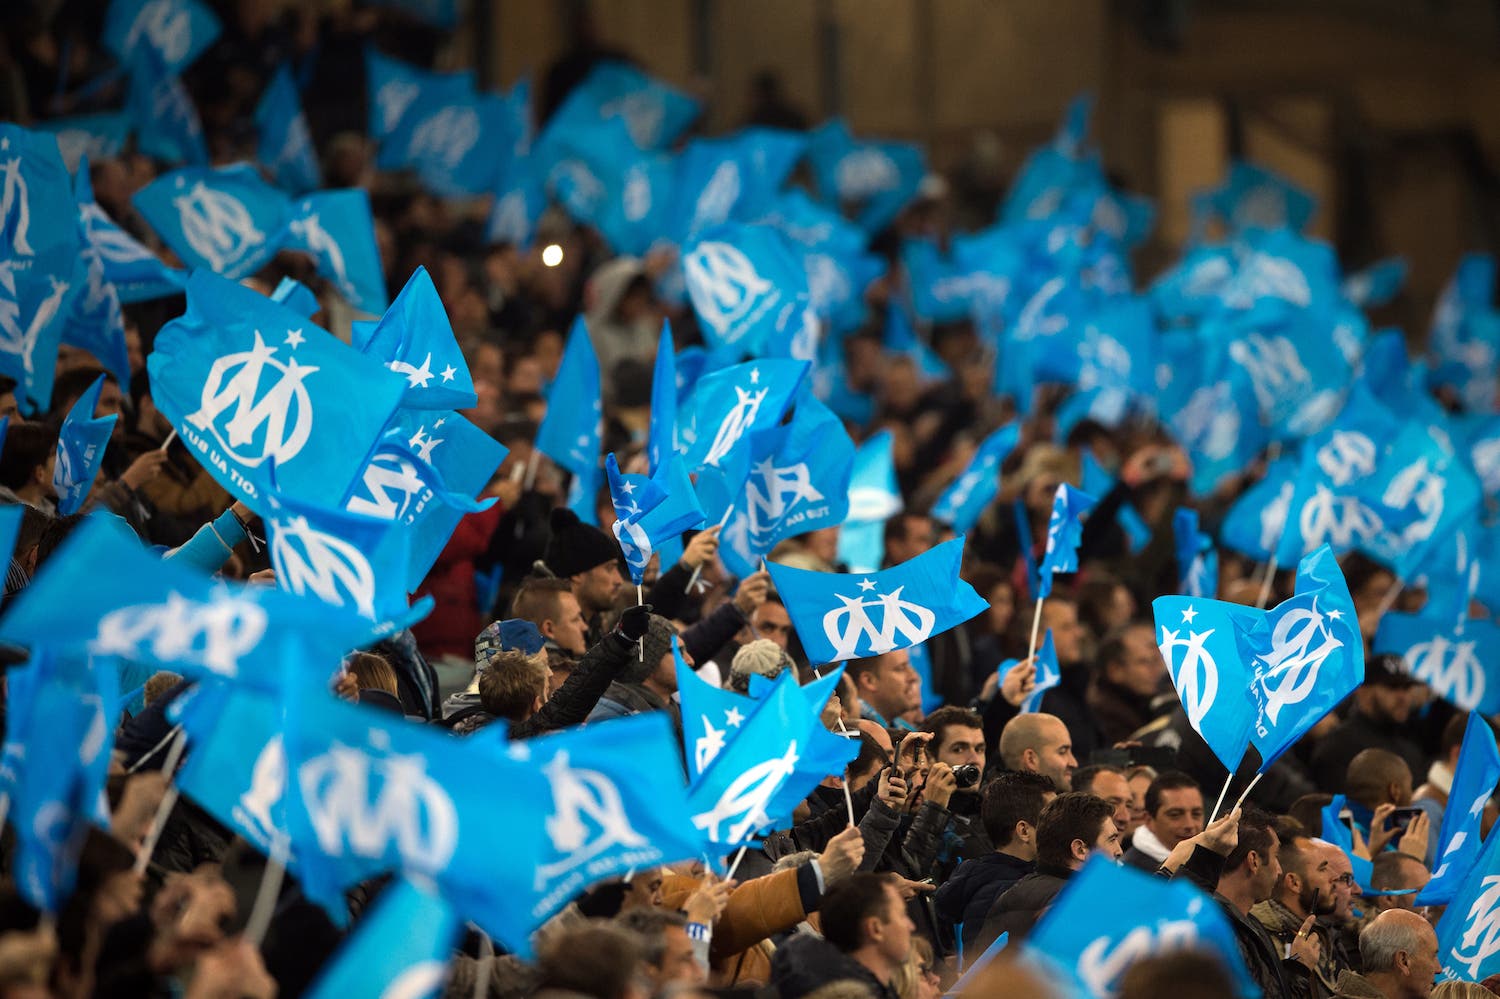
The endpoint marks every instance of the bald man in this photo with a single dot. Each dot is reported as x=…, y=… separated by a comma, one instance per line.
x=1399, y=951
x=1040, y=744
x=1379, y=777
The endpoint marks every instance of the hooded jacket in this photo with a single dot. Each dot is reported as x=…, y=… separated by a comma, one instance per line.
x=1016, y=911
x=967, y=897
x=806, y=963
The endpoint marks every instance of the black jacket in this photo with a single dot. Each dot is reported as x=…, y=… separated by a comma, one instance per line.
x=1068, y=701
x=1016, y=911
x=806, y=963
x=967, y=897
x=1261, y=951
x=1330, y=760
x=571, y=703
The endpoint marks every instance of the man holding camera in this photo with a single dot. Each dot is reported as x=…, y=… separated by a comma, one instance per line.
x=956, y=755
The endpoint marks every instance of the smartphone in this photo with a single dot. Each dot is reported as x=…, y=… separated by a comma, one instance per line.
x=1347, y=818
x=1403, y=817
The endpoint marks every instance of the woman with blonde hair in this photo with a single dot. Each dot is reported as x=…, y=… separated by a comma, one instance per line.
x=1461, y=990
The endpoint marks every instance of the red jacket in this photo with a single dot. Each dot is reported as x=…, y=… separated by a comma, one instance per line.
x=456, y=618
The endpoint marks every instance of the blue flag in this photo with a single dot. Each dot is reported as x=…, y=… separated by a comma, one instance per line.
x=437, y=124
x=1377, y=284
x=170, y=616
x=914, y=601
x=404, y=943
x=226, y=220
x=39, y=247
x=879, y=178
x=1458, y=659
x=570, y=432
x=748, y=288
x=80, y=449
x=633, y=496
x=1468, y=946
x=173, y=32
x=1199, y=643
x=135, y=272
x=167, y=126
x=415, y=340
x=87, y=137
x=347, y=560
x=66, y=721
x=1253, y=197
x=95, y=322
x=1110, y=916
x=438, y=13
x=874, y=498
x=1340, y=835
x=653, y=113
x=710, y=716
x=733, y=799
x=728, y=404
x=1306, y=657
x=397, y=94
x=960, y=505
x=1064, y=533
x=247, y=382
x=799, y=477
x=337, y=229
x=1048, y=675
x=1459, y=840
x=732, y=178
x=1197, y=559
x=400, y=485
x=661, y=437
x=283, y=143
x=827, y=753
x=679, y=511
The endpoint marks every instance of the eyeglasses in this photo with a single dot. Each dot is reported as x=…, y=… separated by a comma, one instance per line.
x=1344, y=879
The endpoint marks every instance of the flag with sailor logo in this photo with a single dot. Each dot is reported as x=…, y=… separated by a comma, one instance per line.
x=1199, y=642
x=1305, y=656
x=1109, y=916
x=337, y=229
x=960, y=505
x=246, y=382
x=841, y=616
x=415, y=340
x=95, y=322
x=570, y=432
x=39, y=248
x=167, y=126
x=88, y=136
x=225, y=219
x=156, y=612
x=1460, y=837
x=349, y=560
x=1458, y=658
x=80, y=449
x=1469, y=931
x=727, y=404
x=283, y=143
x=828, y=752
x=401, y=947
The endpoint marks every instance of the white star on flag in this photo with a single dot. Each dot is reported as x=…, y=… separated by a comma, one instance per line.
x=732, y=718
x=866, y=585
x=449, y=372
x=1188, y=614
x=294, y=338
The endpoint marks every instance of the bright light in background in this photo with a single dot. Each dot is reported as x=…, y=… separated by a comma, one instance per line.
x=552, y=255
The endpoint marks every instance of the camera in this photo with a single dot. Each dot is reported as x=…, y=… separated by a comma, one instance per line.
x=966, y=774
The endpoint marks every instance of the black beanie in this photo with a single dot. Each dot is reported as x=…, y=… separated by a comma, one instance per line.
x=575, y=546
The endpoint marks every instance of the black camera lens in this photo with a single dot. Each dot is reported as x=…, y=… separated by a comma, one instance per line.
x=966, y=774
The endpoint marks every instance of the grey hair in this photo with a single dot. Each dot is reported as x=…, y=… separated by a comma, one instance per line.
x=1385, y=937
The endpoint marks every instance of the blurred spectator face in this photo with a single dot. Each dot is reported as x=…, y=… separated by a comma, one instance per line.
x=8, y=406
x=1179, y=816
x=568, y=628
x=547, y=348
x=912, y=535
x=823, y=543
x=190, y=914
x=1067, y=634
x=1409, y=874
x=1138, y=785
x=679, y=964
x=1113, y=788
x=525, y=376
x=596, y=589
x=1002, y=607
x=892, y=688
x=488, y=364
x=645, y=890
x=1142, y=669
x=133, y=349
x=1040, y=491
x=900, y=386
x=111, y=403
x=771, y=622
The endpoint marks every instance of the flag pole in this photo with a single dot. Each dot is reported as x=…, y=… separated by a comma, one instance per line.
x=1224, y=791
x=639, y=600
x=1036, y=625
x=1389, y=600
x=1265, y=585
x=168, y=442
x=530, y=479
x=735, y=864
x=1247, y=790
x=266, y=895
x=164, y=808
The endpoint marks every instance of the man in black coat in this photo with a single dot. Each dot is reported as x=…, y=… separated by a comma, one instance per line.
x=866, y=938
x=1379, y=720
